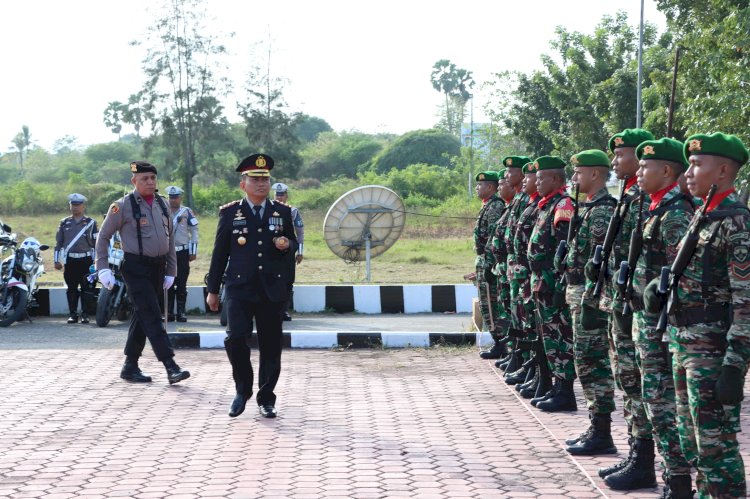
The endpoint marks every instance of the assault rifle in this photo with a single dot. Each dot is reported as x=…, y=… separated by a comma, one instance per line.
x=602, y=252
x=562, y=250
x=670, y=276
x=627, y=268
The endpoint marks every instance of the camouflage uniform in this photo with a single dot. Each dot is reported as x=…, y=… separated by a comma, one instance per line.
x=590, y=346
x=662, y=230
x=709, y=328
x=520, y=272
x=627, y=375
x=486, y=221
x=551, y=227
x=499, y=251
x=516, y=209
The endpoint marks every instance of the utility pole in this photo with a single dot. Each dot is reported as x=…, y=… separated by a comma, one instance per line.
x=640, y=73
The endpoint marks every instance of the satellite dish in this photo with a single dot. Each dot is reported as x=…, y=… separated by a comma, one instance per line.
x=364, y=223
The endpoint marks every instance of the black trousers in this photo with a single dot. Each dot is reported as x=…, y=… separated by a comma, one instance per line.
x=180, y=282
x=75, y=272
x=268, y=318
x=144, y=277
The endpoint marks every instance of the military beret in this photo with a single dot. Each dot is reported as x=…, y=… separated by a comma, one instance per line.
x=529, y=167
x=488, y=176
x=257, y=165
x=548, y=163
x=76, y=198
x=717, y=144
x=142, y=167
x=591, y=157
x=515, y=161
x=280, y=187
x=630, y=137
x=173, y=191
x=665, y=149
x=501, y=172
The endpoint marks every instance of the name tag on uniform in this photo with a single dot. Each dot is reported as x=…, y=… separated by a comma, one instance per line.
x=235, y=223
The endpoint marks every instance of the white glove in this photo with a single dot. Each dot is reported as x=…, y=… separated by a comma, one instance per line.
x=107, y=278
x=168, y=281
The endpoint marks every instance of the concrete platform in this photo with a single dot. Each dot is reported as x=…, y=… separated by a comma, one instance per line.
x=429, y=423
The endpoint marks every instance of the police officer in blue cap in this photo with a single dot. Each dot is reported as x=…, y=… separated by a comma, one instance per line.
x=74, y=251
x=185, y=230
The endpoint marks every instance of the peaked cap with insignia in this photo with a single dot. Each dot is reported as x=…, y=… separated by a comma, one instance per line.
x=257, y=165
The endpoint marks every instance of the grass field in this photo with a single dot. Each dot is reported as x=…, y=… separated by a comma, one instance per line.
x=430, y=250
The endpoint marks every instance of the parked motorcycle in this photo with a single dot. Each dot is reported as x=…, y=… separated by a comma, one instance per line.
x=113, y=302
x=18, y=275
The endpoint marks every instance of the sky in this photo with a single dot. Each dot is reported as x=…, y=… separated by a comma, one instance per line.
x=359, y=65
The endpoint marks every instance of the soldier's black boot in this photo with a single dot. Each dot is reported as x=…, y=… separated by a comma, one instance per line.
x=584, y=434
x=679, y=487
x=497, y=350
x=639, y=473
x=563, y=400
x=181, y=317
x=603, y=472
x=174, y=373
x=529, y=390
x=513, y=363
x=545, y=390
x=598, y=441
x=530, y=379
x=131, y=372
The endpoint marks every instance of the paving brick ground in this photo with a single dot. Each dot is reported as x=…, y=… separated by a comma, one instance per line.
x=364, y=423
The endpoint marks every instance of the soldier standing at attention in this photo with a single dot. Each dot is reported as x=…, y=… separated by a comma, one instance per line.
x=590, y=325
x=520, y=276
x=255, y=236
x=149, y=267
x=709, y=325
x=553, y=316
x=627, y=375
x=661, y=164
x=76, y=239
x=281, y=191
x=185, y=227
x=492, y=209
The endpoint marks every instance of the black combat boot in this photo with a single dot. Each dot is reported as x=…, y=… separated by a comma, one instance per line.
x=545, y=390
x=514, y=362
x=678, y=487
x=529, y=390
x=174, y=373
x=598, y=441
x=584, y=434
x=530, y=375
x=563, y=400
x=131, y=372
x=639, y=473
x=181, y=317
x=603, y=472
x=496, y=352
x=517, y=376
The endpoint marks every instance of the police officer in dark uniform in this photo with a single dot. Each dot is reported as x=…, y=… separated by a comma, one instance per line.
x=76, y=238
x=142, y=218
x=255, y=235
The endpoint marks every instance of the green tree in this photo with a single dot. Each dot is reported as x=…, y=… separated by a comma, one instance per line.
x=113, y=117
x=333, y=154
x=22, y=141
x=433, y=147
x=455, y=84
x=310, y=127
x=181, y=88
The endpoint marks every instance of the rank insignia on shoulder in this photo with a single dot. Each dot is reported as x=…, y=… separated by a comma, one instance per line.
x=222, y=207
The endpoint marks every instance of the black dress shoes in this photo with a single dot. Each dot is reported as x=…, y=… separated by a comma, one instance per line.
x=238, y=405
x=84, y=319
x=267, y=411
x=287, y=317
x=73, y=319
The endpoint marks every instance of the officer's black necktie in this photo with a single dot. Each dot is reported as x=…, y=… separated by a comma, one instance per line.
x=257, y=213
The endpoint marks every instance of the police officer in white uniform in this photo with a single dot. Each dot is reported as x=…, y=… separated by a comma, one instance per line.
x=185, y=229
x=281, y=191
x=74, y=251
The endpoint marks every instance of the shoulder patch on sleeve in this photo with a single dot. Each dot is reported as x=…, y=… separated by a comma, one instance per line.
x=114, y=208
x=563, y=211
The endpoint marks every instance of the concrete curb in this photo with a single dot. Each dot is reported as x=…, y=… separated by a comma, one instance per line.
x=340, y=339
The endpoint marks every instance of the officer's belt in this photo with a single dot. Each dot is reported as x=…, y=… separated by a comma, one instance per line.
x=538, y=266
x=184, y=247
x=80, y=255
x=713, y=312
x=149, y=260
x=574, y=277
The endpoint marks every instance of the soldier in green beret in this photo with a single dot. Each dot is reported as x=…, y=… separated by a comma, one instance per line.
x=709, y=317
x=669, y=213
x=520, y=276
x=627, y=375
x=492, y=208
x=590, y=325
x=553, y=317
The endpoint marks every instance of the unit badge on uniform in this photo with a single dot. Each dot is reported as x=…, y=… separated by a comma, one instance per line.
x=114, y=208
